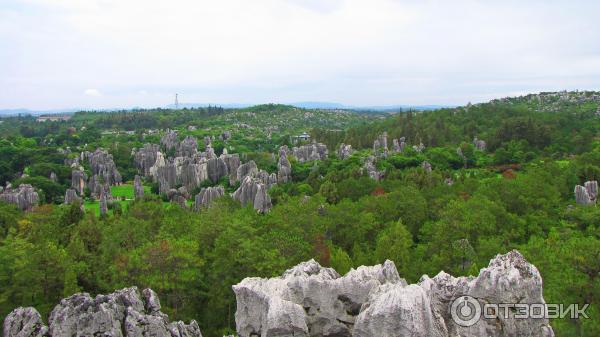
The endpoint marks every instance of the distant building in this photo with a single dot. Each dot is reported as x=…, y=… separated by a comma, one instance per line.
x=302, y=137
x=54, y=118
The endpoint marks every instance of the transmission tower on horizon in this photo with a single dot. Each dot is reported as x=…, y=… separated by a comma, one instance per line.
x=176, y=101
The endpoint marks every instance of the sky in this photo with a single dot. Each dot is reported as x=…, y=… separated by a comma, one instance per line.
x=99, y=54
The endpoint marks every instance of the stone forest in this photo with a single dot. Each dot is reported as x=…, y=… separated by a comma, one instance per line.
x=275, y=220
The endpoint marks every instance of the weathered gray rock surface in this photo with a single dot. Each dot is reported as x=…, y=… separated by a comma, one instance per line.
x=123, y=313
x=398, y=145
x=586, y=194
x=284, y=168
x=169, y=140
x=146, y=157
x=309, y=300
x=246, y=169
x=380, y=145
x=207, y=196
x=253, y=191
x=24, y=196
x=72, y=197
x=138, y=188
x=345, y=151
x=314, y=151
x=371, y=170
x=479, y=144
x=78, y=181
x=426, y=166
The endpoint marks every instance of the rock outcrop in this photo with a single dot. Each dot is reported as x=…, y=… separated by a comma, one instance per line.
x=124, y=313
x=587, y=194
x=419, y=148
x=479, y=144
x=146, y=157
x=309, y=152
x=284, y=168
x=345, y=151
x=380, y=146
x=138, y=188
x=426, y=166
x=103, y=203
x=103, y=165
x=246, y=169
x=169, y=140
x=233, y=162
x=207, y=196
x=309, y=300
x=78, y=181
x=253, y=191
x=72, y=197
x=24, y=196
x=371, y=170
x=398, y=145
x=188, y=147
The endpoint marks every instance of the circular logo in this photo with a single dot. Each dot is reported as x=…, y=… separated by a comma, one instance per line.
x=465, y=311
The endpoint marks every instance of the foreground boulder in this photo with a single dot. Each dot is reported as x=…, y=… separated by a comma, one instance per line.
x=123, y=313
x=310, y=300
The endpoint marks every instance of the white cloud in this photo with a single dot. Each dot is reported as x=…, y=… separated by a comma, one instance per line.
x=92, y=92
x=351, y=51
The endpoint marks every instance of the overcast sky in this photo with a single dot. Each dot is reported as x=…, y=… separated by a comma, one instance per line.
x=125, y=53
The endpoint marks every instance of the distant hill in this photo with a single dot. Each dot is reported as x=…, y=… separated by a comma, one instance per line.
x=333, y=105
x=15, y=112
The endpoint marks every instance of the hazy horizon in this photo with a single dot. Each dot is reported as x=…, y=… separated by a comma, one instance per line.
x=102, y=54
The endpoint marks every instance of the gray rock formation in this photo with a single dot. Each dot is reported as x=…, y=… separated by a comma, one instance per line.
x=314, y=151
x=225, y=135
x=138, y=188
x=146, y=157
x=586, y=194
x=426, y=166
x=266, y=179
x=479, y=144
x=169, y=140
x=24, y=196
x=233, y=162
x=217, y=168
x=24, y=322
x=124, y=313
x=207, y=196
x=72, y=197
x=252, y=191
x=102, y=164
x=246, y=169
x=103, y=203
x=158, y=163
x=78, y=181
x=53, y=177
x=380, y=146
x=188, y=147
x=284, y=168
x=419, y=148
x=345, y=151
x=193, y=173
x=309, y=300
x=371, y=170
x=398, y=145
x=592, y=189
x=166, y=177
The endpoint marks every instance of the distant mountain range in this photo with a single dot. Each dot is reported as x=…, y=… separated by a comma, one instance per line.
x=306, y=105
x=320, y=105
